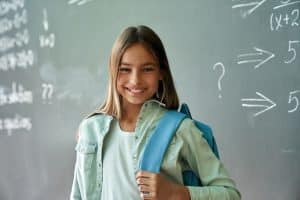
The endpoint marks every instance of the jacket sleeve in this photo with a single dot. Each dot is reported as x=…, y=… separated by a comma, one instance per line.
x=217, y=185
x=75, y=191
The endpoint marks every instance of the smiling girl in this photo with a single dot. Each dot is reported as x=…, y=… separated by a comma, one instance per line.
x=111, y=140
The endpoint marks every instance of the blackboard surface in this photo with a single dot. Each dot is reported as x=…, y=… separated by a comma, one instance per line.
x=236, y=63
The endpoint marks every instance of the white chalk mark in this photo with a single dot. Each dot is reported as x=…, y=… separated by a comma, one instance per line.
x=292, y=50
x=18, y=95
x=221, y=76
x=47, y=41
x=285, y=3
x=20, y=39
x=16, y=123
x=292, y=97
x=78, y=2
x=7, y=6
x=263, y=99
x=47, y=92
x=7, y=24
x=254, y=5
x=259, y=53
x=45, y=21
x=21, y=59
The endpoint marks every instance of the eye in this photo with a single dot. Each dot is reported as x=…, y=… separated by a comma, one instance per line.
x=148, y=68
x=124, y=69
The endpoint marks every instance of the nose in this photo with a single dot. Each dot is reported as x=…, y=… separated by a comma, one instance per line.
x=135, y=77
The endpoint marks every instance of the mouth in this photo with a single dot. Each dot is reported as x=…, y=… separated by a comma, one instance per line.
x=135, y=91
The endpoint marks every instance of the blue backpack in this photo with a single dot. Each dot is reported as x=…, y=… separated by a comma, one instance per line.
x=161, y=137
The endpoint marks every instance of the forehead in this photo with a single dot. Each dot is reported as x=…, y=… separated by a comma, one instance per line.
x=138, y=53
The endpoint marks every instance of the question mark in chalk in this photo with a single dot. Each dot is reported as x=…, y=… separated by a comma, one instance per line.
x=222, y=75
x=47, y=92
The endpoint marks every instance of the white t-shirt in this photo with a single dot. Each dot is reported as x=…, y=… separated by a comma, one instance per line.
x=118, y=169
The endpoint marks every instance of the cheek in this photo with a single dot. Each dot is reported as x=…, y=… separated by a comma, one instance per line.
x=119, y=84
x=155, y=83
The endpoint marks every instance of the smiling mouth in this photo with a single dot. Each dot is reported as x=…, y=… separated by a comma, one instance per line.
x=135, y=90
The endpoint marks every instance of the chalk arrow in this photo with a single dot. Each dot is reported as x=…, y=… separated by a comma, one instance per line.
x=260, y=56
x=256, y=103
x=253, y=6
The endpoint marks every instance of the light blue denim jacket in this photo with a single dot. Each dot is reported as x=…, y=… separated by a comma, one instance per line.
x=188, y=149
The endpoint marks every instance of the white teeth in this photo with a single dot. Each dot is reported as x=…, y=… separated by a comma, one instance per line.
x=135, y=90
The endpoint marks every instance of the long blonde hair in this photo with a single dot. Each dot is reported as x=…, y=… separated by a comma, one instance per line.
x=144, y=35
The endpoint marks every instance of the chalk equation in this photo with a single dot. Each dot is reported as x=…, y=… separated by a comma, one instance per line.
x=284, y=20
x=259, y=56
x=47, y=40
x=16, y=53
x=264, y=103
x=281, y=16
x=14, y=35
x=284, y=16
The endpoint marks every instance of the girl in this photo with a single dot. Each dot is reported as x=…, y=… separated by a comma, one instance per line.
x=111, y=139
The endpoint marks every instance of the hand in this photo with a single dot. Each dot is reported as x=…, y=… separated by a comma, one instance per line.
x=155, y=186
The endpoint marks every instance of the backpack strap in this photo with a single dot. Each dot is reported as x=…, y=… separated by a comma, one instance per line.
x=159, y=141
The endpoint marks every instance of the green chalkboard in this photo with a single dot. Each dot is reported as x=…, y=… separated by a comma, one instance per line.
x=236, y=63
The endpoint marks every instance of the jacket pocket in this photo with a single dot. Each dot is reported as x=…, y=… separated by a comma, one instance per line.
x=86, y=153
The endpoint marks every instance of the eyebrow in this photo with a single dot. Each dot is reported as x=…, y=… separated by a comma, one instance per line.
x=144, y=64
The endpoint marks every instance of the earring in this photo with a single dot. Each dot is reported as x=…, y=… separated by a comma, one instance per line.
x=162, y=97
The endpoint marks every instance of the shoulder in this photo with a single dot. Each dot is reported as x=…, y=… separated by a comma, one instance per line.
x=189, y=132
x=188, y=125
x=96, y=124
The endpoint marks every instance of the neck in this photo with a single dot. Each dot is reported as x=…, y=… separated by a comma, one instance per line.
x=129, y=116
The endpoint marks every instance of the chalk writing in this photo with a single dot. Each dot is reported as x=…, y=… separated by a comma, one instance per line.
x=280, y=21
x=260, y=57
x=18, y=40
x=49, y=39
x=17, y=95
x=7, y=24
x=285, y=4
x=78, y=2
x=253, y=6
x=7, y=6
x=47, y=92
x=16, y=123
x=19, y=59
x=292, y=50
x=293, y=98
x=221, y=76
x=265, y=103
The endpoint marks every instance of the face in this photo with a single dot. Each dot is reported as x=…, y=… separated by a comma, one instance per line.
x=138, y=76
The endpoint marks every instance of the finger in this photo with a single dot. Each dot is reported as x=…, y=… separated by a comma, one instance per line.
x=145, y=174
x=144, y=181
x=147, y=195
x=145, y=188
